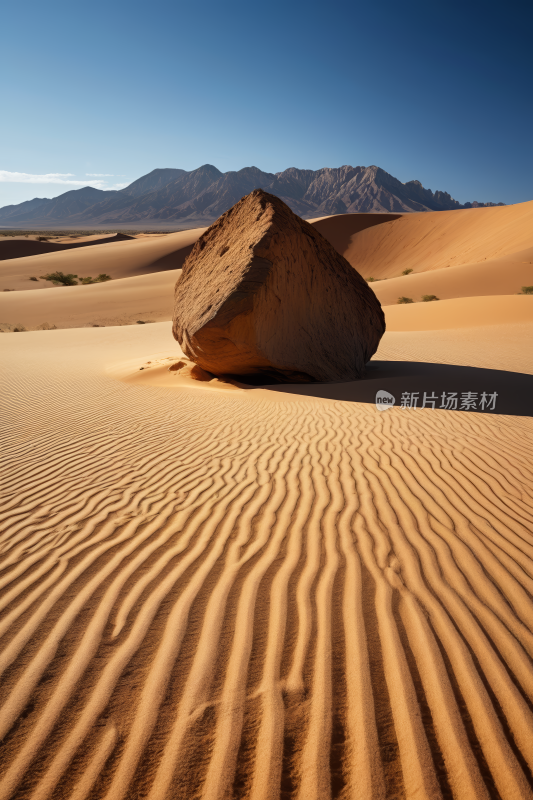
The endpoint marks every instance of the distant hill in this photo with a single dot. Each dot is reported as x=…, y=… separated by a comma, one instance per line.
x=67, y=205
x=198, y=197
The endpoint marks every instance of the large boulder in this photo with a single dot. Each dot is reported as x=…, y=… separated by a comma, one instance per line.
x=263, y=292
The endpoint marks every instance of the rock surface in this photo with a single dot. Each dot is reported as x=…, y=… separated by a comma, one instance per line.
x=263, y=291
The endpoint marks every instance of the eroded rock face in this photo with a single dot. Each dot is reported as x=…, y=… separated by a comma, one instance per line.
x=263, y=291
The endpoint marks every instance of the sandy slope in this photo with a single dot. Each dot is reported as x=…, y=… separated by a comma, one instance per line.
x=217, y=592
x=454, y=254
x=11, y=247
x=147, y=253
x=120, y=302
x=340, y=228
x=139, y=256
x=441, y=239
x=504, y=275
x=461, y=312
x=150, y=298
x=228, y=593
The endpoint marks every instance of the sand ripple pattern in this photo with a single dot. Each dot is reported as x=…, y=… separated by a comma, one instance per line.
x=214, y=596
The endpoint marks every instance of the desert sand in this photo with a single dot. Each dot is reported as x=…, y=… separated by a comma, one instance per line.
x=148, y=298
x=222, y=591
x=139, y=256
x=440, y=240
x=467, y=235
x=499, y=276
x=15, y=247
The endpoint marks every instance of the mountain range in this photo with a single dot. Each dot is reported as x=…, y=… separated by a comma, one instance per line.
x=181, y=199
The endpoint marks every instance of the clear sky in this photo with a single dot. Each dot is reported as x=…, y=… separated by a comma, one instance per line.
x=100, y=93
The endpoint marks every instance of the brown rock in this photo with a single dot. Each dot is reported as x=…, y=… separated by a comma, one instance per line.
x=263, y=291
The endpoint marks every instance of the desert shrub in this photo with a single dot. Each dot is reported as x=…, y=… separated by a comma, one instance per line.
x=34, y=279
x=141, y=322
x=427, y=298
x=527, y=289
x=61, y=278
x=100, y=279
x=407, y=271
x=370, y=280
x=19, y=329
x=403, y=300
x=42, y=238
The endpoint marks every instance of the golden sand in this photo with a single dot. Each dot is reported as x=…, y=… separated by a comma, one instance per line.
x=215, y=592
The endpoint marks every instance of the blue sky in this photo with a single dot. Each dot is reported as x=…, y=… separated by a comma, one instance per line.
x=101, y=93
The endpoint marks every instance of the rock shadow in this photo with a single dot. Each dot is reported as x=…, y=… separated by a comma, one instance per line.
x=416, y=384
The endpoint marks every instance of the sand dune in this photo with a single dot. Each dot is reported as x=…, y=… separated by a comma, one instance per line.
x=143, y=297
x=340, y=228
x=504, y=275
x=146, y=254
x=462, y=312
x=139, y=256
x=493, y=247
x=211, y=590
x=11, y=247
x=440, y=239
x=229, y=593
x=503, y=347
x=150, y=298
x=121, y=302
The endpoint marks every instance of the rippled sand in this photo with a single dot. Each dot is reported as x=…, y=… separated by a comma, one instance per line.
x=213, y=592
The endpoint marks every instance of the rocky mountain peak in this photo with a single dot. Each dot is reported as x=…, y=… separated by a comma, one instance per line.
x=196, y=198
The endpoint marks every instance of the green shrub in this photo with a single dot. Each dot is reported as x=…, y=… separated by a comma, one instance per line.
x=403, y=300
x=100, y=279
x=427, y=298
x=527, y=290
x=370, y=280
x=407, y=271
x=61, y=278
x=34, y=279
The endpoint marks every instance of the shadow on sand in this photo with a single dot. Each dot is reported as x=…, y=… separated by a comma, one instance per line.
x=513, y=390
